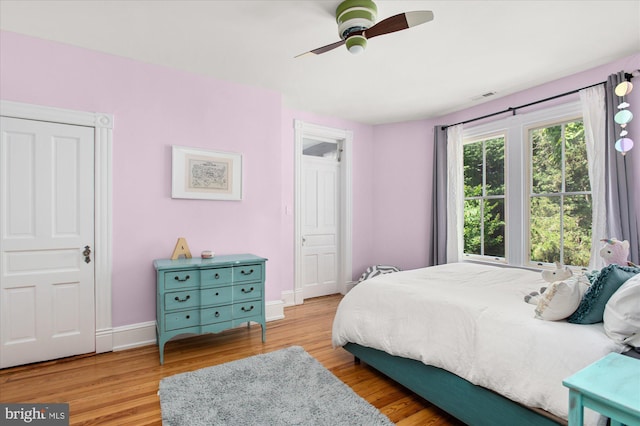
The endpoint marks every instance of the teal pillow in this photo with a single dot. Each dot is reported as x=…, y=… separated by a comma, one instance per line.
x=591, y=308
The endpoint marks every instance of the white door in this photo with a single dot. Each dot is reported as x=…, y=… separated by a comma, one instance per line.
x=320, y=219
x=46, y=235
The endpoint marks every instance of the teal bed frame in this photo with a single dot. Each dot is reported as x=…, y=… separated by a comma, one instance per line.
x=473, y=405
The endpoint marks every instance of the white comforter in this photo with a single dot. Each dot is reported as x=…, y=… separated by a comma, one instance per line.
x=472, y=320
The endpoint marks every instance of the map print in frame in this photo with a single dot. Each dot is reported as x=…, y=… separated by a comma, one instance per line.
x=203, y=174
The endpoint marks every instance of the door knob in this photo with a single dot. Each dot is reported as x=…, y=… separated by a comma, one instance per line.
x=87, y=254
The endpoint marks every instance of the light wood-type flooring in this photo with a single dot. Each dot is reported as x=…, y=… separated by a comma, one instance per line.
x=120, y=388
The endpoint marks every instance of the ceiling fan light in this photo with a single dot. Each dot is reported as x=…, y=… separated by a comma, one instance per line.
x=356, y=44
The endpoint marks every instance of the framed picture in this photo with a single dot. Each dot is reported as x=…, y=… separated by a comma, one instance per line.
x=205, y=175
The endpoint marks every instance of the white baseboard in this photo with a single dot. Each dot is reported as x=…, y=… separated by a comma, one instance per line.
x=134, y=335
x=288, y=298
x=144, y=333
x=274, y=310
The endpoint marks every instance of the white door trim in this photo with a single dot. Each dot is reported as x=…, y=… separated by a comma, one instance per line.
x=307, y=130
x=103, y=125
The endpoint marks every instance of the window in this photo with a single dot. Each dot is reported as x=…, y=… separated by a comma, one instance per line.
x=559, y=195
x=527, y=195
x=484, y=197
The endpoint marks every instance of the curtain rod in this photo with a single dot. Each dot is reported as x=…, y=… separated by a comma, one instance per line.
x=628, y=77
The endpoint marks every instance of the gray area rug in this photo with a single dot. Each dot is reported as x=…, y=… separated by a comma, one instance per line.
x=286, y=387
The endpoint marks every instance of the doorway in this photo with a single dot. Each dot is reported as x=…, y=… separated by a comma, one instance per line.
x=76, y=147
x=323, y=204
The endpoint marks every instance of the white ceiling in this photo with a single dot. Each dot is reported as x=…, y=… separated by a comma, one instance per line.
x=470, y=48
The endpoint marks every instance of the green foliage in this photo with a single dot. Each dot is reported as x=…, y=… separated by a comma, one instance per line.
x=484, y=224
x=560, y=204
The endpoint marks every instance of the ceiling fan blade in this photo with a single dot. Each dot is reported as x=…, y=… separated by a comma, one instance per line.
x=399, y=22
x=323, y=49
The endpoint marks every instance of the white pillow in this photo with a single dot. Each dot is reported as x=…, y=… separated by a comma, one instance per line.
x=561, y=298
x=622, y=311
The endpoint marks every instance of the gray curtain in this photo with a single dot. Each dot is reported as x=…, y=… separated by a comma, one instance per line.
x=439, y=202
x=622, y=219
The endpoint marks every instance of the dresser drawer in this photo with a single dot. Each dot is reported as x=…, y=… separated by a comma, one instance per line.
x=181, y=279
x=247, y=291
x=181, y=299
x=247, y=273
x=216, y=296
x=182, y=319
x=214, y=315
x=247, y=309
x=216, y=276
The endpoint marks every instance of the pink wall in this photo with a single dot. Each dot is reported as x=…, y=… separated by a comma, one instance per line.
x=155, y=108
x=405, y=150
x=403, y=176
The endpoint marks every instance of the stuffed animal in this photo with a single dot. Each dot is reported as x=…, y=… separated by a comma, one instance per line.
x=559, y=274
x=615, y=251
x=534, y=296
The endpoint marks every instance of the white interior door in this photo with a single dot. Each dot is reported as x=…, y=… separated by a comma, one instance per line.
x=46, y=223
x=320, y=220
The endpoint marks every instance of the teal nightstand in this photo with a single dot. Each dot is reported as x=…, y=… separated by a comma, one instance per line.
x=610, y=386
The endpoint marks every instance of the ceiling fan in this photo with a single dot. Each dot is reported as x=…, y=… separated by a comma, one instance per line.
x=356, y=24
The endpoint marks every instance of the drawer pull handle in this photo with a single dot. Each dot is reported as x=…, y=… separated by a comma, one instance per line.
x=177, y=278
x=217, y=276
x=247, y=310
x=217, y=294
x=243, y=272
x=187, y=297
x=188, y=316
x=246, y=291
x=217, y=314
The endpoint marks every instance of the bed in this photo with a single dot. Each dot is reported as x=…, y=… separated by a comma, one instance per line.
x=461, y=336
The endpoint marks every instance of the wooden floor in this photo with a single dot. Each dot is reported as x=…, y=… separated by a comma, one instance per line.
x=120, y=388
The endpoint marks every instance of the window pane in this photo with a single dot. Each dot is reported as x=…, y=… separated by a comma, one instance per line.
x=577, y=230
x=494, y=228
x=545, y=229
x=316, y=148
x=546, y=165
x=473, y=169
x=495, y=166
x=577, y=174
x=472, y=229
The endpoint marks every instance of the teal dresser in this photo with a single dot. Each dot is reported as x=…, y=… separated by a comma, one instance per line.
x=196, y=296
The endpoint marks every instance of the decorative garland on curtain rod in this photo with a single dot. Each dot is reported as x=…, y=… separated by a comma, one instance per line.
x=627, y=76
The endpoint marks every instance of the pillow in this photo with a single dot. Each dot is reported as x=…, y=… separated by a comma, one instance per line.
x=622, y=311
x=561, y=298
x=372, y=271
x=610, y=278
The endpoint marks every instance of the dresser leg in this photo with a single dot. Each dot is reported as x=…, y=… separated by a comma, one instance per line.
x=264, y=332
x=161, y=350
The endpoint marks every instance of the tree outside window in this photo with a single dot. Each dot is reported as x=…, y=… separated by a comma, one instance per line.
x=560, y=195
x=484, y=202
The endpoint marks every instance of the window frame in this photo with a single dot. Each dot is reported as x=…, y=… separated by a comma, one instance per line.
x=517, y=174
x=483, y=138
x=563, y=193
